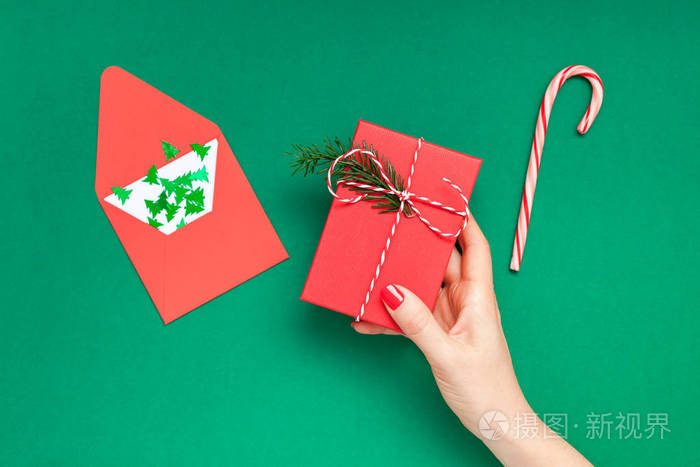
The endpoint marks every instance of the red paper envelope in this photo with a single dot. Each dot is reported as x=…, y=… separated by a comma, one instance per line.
x=210, y=233
x=354, y=235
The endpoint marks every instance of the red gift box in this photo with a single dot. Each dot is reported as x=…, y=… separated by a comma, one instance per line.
x=355, y=234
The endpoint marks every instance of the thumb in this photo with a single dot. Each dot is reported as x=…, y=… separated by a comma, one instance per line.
x=416, y=321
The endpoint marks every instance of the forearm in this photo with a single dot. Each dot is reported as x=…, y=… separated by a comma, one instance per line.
x=539, y=447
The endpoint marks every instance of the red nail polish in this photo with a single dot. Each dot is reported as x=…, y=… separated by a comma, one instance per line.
x=391, y=296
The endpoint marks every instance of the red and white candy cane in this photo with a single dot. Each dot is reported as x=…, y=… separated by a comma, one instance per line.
x=536, y=152
x=405, y=198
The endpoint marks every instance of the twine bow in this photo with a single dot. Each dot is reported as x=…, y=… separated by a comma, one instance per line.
x=405, y=197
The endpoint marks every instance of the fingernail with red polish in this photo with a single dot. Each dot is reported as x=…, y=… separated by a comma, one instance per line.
x=391, y=296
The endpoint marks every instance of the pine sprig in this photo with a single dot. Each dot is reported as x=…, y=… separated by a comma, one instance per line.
x=317, y=158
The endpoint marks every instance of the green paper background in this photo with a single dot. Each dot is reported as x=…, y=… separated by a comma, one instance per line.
x=602, y=318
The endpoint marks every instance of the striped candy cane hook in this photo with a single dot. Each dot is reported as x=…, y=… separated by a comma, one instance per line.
x=538, y=143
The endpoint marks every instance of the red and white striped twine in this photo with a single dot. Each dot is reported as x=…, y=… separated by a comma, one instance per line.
x=538, y=143
x=405, y=197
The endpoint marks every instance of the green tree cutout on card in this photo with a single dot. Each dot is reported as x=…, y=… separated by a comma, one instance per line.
x=200, y=150
x=193, y=208
x=152, y=207
x=201, y=175
x=169, y=150
x=121, y=193
x=162, y=201
x=177, y=194
x=168, y=185
x=196, y=196
x=180, y=193
x=152, y=177
x=154, y=223
x=170, y=210
x=184, y=180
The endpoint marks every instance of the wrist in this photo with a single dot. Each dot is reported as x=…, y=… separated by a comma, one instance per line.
x=495, y=420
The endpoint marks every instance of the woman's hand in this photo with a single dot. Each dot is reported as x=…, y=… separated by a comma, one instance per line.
x=464, y=344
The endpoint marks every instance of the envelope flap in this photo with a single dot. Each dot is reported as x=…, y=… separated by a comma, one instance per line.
x=134, y=118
